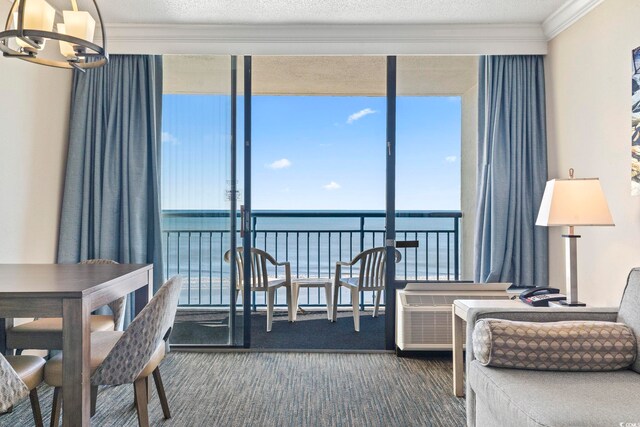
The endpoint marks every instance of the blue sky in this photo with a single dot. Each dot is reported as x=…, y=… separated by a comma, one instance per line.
x=314, y=152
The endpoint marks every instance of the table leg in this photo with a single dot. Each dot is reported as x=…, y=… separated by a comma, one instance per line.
x=76, y=379
x=143, y=294
x=328, y=296
x=458, y=362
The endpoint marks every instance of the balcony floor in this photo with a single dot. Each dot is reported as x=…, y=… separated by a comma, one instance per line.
x=311, y=331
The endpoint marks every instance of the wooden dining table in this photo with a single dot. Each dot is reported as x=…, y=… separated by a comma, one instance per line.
x=70, y=291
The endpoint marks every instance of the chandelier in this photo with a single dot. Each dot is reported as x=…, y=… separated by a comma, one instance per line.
x=30, y=35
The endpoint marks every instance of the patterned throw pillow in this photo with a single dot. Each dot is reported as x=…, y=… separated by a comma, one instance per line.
x=554, y=346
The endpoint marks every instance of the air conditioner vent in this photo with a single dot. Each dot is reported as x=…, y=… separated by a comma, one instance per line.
x=424, y=317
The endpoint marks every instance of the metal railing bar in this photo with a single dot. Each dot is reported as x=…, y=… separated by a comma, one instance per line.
x=415, y=255
x=438, y=255
x=448, y=257
x=177, y=213
x=200, y=267
x=189, y=263
x=222, y=266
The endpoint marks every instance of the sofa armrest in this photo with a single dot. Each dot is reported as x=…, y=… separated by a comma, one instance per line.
x=525, y=314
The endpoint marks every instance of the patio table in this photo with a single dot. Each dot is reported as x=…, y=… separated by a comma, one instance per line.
x=296, y=284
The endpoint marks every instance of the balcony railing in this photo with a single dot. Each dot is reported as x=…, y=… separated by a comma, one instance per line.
x=195, y=243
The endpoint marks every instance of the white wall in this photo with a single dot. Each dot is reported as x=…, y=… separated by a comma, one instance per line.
x=34, y=116
x=589, y=118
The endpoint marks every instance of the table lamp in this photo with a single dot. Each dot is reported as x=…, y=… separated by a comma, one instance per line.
x=573, y=202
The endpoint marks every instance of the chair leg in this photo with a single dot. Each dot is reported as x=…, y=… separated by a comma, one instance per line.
x=56, y=406
x=148, y=384
x=336, y=291
x=289, y=304
x=329, y=299
x=140, y=388
x=295, y=293
x=161, y=394
x=271, y=294
x=35, y=407
x=356, y=308
x=375, y=307
x=94, y=399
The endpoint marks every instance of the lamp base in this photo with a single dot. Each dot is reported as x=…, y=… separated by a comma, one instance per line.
x=571, y=304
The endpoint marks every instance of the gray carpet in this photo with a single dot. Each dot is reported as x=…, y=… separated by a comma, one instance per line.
x=285, y=389
x=311, y=331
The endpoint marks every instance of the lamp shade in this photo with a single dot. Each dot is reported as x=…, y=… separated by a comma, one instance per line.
x=65, y=48
x=574, y=202
x=79, y=24
x=38, y=15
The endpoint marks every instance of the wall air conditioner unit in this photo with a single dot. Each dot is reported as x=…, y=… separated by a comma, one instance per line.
x=423, y=311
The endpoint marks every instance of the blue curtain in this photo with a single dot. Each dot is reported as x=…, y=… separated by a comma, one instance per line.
x=111, y=201
x=512, y=171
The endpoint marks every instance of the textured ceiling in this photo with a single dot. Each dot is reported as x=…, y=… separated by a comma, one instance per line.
x=327, y=11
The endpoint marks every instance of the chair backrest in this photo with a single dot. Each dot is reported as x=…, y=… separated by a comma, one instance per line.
x=134, y=349
x=372, y=267
x=118, y=306
x=12, y=388
x=629, y=312
x=259, y=276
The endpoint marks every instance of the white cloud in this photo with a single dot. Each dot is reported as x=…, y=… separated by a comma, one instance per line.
x=167, y=137
x=360, y=114
x=280, y=164
x=332, y=186
x=450, y=159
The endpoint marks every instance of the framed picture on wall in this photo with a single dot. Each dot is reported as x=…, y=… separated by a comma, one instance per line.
x=635, y=122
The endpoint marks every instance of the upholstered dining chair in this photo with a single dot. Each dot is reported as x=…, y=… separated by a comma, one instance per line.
x=19, y=377
x=260, y=280
x=46, y=333
x=370, y=278
x=128, y=357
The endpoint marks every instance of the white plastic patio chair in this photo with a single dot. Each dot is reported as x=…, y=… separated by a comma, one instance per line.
x=260, y=281
x=370, y=278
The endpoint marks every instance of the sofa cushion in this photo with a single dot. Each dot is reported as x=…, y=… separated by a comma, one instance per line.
x=555, y=346
x=629, y=312
x=561, y=399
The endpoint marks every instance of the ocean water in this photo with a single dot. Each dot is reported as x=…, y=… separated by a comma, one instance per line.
x=195, y=243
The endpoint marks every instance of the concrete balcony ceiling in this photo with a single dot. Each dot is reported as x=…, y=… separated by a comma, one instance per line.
x=323, y=75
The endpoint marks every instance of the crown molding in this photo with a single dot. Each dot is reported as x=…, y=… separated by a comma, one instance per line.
x=367, y=39
x=567, y=15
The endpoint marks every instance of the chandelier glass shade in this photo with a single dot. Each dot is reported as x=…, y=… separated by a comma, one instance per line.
x=37, y=32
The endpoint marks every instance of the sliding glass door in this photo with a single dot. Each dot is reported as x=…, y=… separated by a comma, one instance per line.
x=202, y=194
x=323, y=136
x=431, y=170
